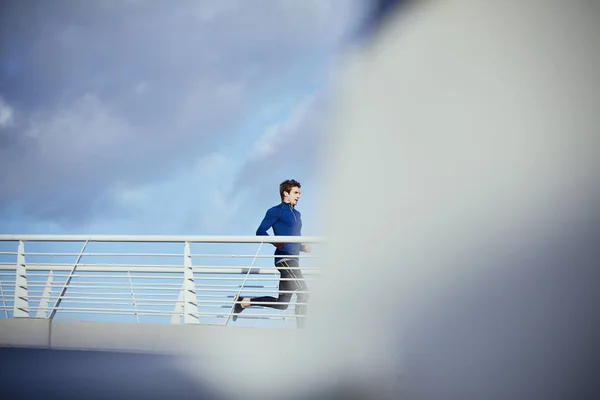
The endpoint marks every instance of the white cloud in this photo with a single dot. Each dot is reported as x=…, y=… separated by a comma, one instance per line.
x=194, y=199
x=85, y=129
x=277, y=134
x=288, y=149
x=211, y=165
x=64, y=163
x=208, y=11
x=141, y=87
x=130, y=195
x=210, y=183
x=6, y=114
x=133, y=114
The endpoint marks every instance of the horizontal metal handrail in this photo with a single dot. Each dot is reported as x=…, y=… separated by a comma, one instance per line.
x=117, y=267
x=205, y=255
x=159, y=238
x=162, y=312
x=203, y=278
x=212, y=271
x=216, y=303
x=33, y=285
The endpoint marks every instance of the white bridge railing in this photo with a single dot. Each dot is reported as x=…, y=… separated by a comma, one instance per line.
x=154, y=279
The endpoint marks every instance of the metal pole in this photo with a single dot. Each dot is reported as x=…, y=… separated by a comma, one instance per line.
x=64, y=288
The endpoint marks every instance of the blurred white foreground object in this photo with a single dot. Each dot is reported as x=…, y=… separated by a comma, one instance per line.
x=462, y=214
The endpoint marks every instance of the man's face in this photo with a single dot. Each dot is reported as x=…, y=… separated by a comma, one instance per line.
x=293, y=196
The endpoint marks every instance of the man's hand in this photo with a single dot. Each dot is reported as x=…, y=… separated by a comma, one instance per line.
x=305, y=248
x=278, y=245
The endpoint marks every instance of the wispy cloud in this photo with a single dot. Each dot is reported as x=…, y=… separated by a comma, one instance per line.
x=279, y=133
x=133, y=92
x=6, y=114
x=286, y=149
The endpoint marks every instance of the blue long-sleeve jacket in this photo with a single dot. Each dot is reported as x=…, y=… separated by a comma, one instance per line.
x=285, y=221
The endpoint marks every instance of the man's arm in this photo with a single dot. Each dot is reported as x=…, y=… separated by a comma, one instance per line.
x=267, y=223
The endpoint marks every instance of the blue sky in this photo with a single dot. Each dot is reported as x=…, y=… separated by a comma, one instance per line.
x=161, y=117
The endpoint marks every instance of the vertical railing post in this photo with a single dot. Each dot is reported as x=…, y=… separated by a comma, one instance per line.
x=178, y=309
x=190, y=305
x=43, y=310
x=21, y=302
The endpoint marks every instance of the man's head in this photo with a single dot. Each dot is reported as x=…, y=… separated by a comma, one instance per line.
x=289, y=191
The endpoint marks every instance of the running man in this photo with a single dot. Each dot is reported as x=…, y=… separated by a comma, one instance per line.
x=285, y=221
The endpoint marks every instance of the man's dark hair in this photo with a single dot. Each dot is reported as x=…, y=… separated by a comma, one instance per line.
x=287, y=185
